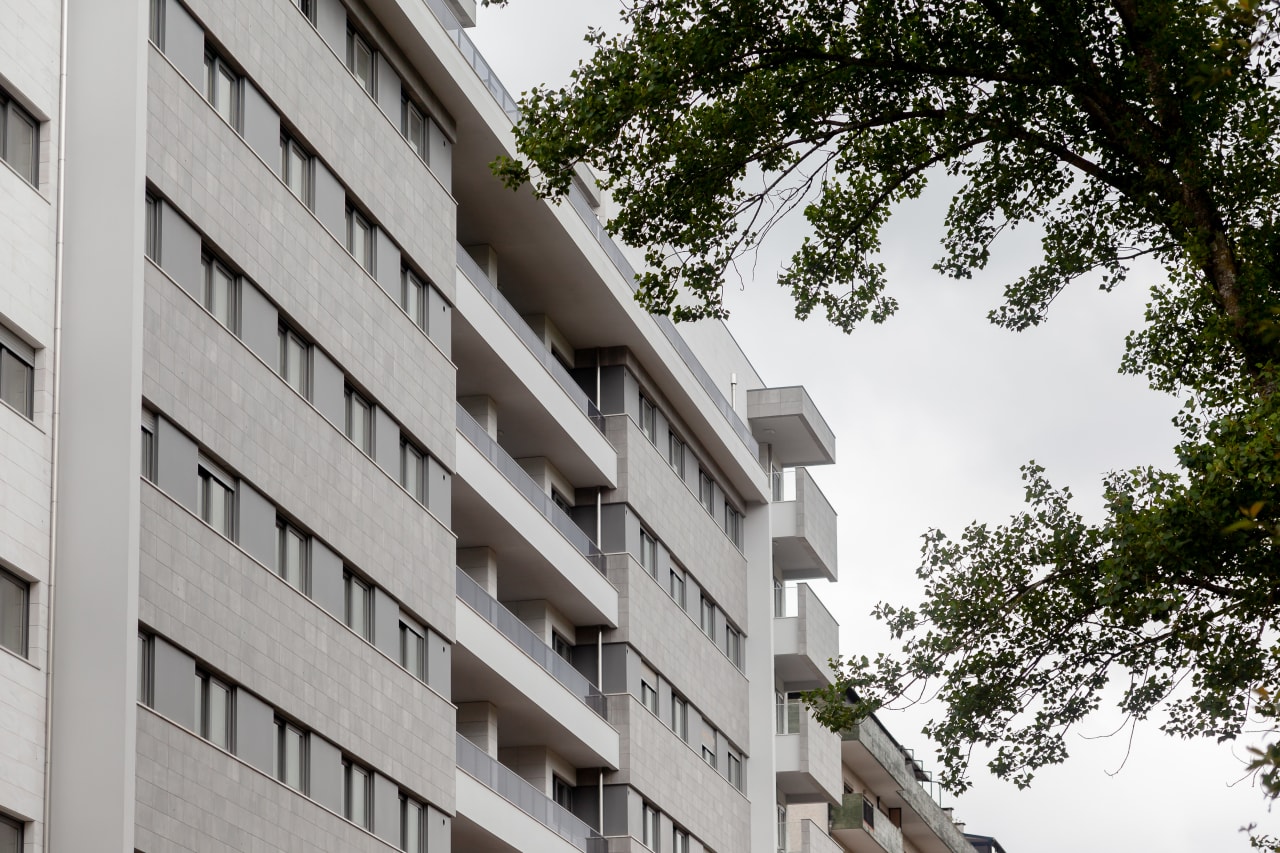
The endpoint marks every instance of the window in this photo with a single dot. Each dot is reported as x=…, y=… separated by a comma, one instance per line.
x=10, y=835
x=13, y=612
x=357, y=605
x=561, y=501
x=220, y=292
x=413, y=297
x=307, y=8
x=361, y=62
x=679, y=840
x=149, y=446
x=295, y=169
x=216, y=501
x=648, y=553
x=17, y=374
x=733, y=645
x=782, y=828
x=152, y=242
x=291, y=755
x=222, y=89
x=680, y=717
x=561, y=646
x=649, y=825
x=707, y=617
x=561, y=792
x=648, y=419
x=413, y=650
x=733, y=524
x=291, y=556
x=360, y=239
x=709, y=755
x=19, y=133
x=213, y=710
x=357, y=793
x=649, y=695
x=412, y=825
x=675, y=453
x=359, y=421
x=413, y=476
x=675, y=586
x=155, y=30
x=295, y=361
x=145, y=669
x=414, y=127
x=706, y=491
x=735, y=771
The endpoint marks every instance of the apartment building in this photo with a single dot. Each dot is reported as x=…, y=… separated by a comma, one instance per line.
x=347, y=499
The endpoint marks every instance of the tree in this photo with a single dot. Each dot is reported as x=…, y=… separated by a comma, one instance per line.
x=1121, y=129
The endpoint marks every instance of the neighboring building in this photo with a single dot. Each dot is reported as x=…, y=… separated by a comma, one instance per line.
x=984, y=844
x=348, y=501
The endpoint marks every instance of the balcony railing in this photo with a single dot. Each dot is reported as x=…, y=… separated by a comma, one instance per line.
x=504, y=781
x=491, y=610
x=582, y=207
x=513, y=319
x=526, y=485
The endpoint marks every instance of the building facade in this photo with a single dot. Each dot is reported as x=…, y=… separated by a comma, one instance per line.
x=348, y=501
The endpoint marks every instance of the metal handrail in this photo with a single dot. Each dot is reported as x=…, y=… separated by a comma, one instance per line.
x=517, y=324
x=506, y=783
x=509, y=625
x=528, y=487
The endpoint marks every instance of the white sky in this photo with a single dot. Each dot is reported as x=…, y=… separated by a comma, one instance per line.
x=934, y=412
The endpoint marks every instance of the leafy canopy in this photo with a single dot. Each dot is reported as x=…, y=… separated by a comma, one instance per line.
x=1121, y=129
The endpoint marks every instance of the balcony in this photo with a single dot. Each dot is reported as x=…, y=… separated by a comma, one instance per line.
x=807, y=757
x=787, y=420
x=496, y=805
x=804, y=528
x=804, y=836
x=862, y=828
x=805, y=638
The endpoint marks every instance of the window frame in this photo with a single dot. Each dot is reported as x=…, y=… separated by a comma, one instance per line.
x=214, y=65
x=350, y=769
x=680, y=716
x=9, y=353
x=411, y=633
x=354, y=40
x=677, y=450
x=209, y=476
x=408, y=805
x=707, y=616
x=649, y=695
x=351, y=582
x=649, y=419
x=733, y=644
x=205, y=684
x=353, y=399
x=288, y=336
x=411, y=456
x=562, y=793
x=648, y=552
x=11, y=110
x=19, y=827
x=156, y=23
x=283, y=729
x=293, y=155
x=308, y=10
x=284, y=530
x=210, y=265
x=411, y=282
x=707, y=492
x=408, y=109
x=677, y=586
x=650, y=827
x=22, y=591
x=146, y=669
x=154, y=216
x=356, y=219
x=733, y=772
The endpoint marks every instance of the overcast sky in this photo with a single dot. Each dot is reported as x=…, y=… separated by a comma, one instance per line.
x=934, y=412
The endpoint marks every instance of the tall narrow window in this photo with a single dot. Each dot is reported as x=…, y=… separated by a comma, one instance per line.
x=676, y=586
x=220, y=292
x=706, y=491
x=414, y=128
x=649, y=827
x=360, y=421
x=733, y=524
x=413, y=475
x=357, y=605
x=561, y=792
x=213, y=710
x=680, y=717
x=648, y=553
x=17, y=374
x=649, y=695
x=14, y=593
x=295, y=361
x=680, y=840
x=19, y=134
x=357, y=794
x=648, y=419
x=733, y=645
x=215, y=501
x=10, y=835
x=412, y=825
x=148, y=447
x=561, y=646
x=413, y=650
x=291, y=755
x=413, y=297
x=222, y=89
x=360, y=239
x=295, y=168
x=292, y=554
x=152, y=242
x=707, y=617
x=307, y=8
x=155, y=30
x=145, y=669
x=675, y=453
x=735, y=771
x=361, y=61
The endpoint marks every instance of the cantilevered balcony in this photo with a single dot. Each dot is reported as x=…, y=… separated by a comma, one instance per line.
x=805, y=638
x=497, y=505
x=862, y=828
x=497, y=810
x=807, y=757
x=805, y=836
x=804, y=528
x=787, y=420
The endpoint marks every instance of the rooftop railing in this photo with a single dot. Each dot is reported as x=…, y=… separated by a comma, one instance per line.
x=517, y=324
x=582, y=207
x=509, y=625
x=528, y=487
x=504, y=781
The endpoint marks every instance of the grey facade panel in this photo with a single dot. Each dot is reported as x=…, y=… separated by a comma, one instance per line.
x=174, y=676
x=388, y=90
x=255, y=731
x=259, y=324
x=386, y=623
x=613, y=528
x=328, y=386
x=176, y=462
x=439, y=831
x=440, y=155
x=326, y=579
x=325, y=766
x=386, y=809
x=386, y=443
x=256, y=525
x=440, y=320
x=180, y=252
x=617, y=808
x=386, y=264
x=184, y=42
x=330, y=201
x=439, y=664
x=439, y=491
x=331, y=21
x=614, y=671
x=261, y=126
